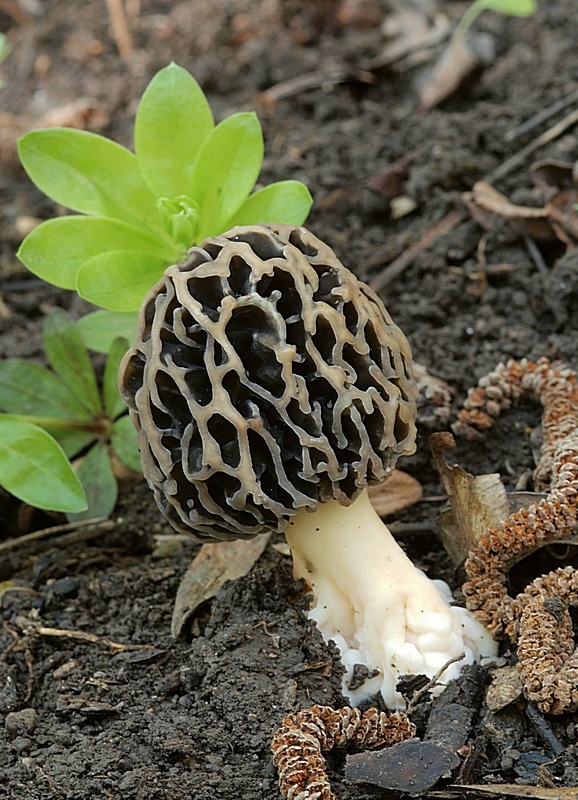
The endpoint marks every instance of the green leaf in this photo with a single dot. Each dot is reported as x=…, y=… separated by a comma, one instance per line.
x=97, y=479
x=69, y=359
x=90, y=174
x=100, y=328
x=34, y=469
x=56, y=249
x=287, y=202
x=73, y=441
x=113, y=405
x=125, y=443
x=119, y=280
x=226, y=170
x=516, y=8
x=27, y=388
x=172, y=121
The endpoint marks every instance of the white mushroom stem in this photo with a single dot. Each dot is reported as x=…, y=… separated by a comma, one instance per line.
x=380, y=610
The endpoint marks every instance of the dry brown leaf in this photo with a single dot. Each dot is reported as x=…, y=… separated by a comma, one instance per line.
x=476, y=502
x=485, y=203
x=390, y=181
x=563, y=216
x=399, y=491
x=213, y=565
x=552, y=174
x=457, y=63
x=492, y=200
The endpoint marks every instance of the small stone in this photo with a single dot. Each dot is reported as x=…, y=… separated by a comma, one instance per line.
x=65, y=587
x=20, y=722
x=21, y=744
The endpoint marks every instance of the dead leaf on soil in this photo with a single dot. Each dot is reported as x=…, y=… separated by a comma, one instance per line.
x=485, y=204
x=564, y=217
x=399, y=491
x=458, y=62
x=213, y=565
x=551, y=174
x=476, y=502
x=557, y=219
x=390, y=181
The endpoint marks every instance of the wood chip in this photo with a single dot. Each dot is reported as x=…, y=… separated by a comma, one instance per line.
x=410, y=767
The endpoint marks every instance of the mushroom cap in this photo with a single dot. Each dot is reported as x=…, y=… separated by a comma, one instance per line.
x=265, y=378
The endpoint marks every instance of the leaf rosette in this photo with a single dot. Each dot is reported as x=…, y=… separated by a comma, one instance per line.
x=138, y=213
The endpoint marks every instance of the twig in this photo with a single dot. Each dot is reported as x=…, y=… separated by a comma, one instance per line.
x=518, y=158
x=120, y=29
x=18, y=14
x=542, y=116
x=535, y=254
x=433, y=681
x=100, y=524
x=396, y=52
x=400, y=264
x=311, y=80
x=89, y=637
x=449, y=222
x=544, y=728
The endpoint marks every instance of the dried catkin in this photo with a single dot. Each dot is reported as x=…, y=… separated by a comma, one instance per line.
x=298, y=744
x=537, y=619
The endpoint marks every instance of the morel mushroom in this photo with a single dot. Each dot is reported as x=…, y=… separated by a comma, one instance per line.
x=267, y=382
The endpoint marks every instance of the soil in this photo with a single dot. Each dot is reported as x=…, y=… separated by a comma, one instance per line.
x=193, y=718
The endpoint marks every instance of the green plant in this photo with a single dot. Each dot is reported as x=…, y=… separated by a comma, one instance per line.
x=515, y=8
x=137, y=214
x=187, y=179
x=59, y=413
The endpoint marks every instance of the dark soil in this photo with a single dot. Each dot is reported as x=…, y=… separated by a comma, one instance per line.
x=194, y=719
